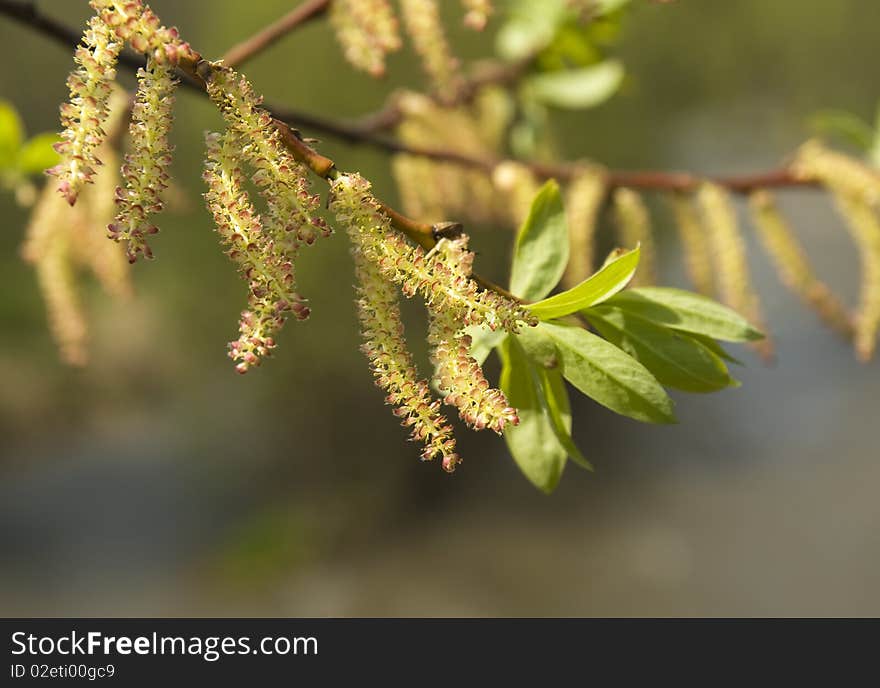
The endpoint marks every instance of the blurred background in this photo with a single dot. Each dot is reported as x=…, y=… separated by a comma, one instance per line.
x=156, y=481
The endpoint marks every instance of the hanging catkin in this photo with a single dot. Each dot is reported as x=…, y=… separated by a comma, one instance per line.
x=856, y=190
x=695, y=243
x=793, y=265
x=729, y=259
x=583, y=201
x=633, y=223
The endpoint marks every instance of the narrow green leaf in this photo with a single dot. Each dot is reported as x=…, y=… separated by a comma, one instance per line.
x=673, y=358
x=714, y=347
x=559, y=411
x=533, y=443
x=11, y=134
x=483, y=340
x=38, y=154
x=684, y=310
x=577, y=89
x=609, y=376
x=541, y=251
x=844, y=124
x=597, y=288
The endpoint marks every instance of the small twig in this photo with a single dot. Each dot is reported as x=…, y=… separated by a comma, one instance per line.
x=301, y=14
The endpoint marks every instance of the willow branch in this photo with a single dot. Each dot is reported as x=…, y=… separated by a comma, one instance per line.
x=260, y=41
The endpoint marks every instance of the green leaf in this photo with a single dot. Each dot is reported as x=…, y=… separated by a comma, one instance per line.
x=673, y=358
x=531, y=26
x=483, y=340
x=606, y=374
x=559, y=411
x=533, y=442
x=541, y=251
x=38, y=154
x=602, y=285
x=577, y=89
x=11, y=135
x=686, y=311
x=604, y=7
x=844, y=124
x=715, y=348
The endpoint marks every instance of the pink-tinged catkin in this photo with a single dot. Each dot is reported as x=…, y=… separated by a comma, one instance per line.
x=145, y=171
x=137, y=24
x=429, y=275
x=367, y=30
x=422, y=21
x=264, y=255
x=281, y=179
x=83, y=116
x=392, y=364
x=477, y=13
x=457, y=374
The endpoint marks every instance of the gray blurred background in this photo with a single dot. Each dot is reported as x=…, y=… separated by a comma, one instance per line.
x=158, y=482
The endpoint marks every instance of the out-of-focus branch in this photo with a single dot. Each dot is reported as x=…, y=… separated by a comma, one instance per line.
x=260, y=41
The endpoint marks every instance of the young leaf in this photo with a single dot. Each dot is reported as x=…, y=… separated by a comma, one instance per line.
x=11, y=134
x=541, y=251
x=673, y=358
x=38, y=154
x=533, y=443
x=606, y=374
x=601, y=286
x=559, y=411
x=684, y=310
x=577, y=89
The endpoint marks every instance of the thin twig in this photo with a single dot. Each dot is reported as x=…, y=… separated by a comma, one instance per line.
x=250, y=47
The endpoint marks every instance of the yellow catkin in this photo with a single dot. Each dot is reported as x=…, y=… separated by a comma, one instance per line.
x=793, y=265
x=856, y=190
x=633, y=223
x=516, y=186
x=422, y=21
x=583, y=201
x=730, y=260
x=48, y=240
x=367, y=30
x=864, y=226
x=694, y=243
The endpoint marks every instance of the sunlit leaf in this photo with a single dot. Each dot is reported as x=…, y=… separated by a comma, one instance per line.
x=559, y=411
x=11, y=134
x=597, y=288
x=541, y=251
x=609, y=376
x=673, y=358
x=533, y=442
x=684, y=310
x=530, y=27
x=37, y=154
x=577, y=89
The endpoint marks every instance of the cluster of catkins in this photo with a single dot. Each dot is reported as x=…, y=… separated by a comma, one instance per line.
x=265, y=243
x=368, y=30
x=386, y=262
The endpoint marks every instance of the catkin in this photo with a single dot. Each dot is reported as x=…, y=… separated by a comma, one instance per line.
x=793, y=265
x=864, y=226
x=476, y=13
x=695, y=243
x=422, y=21
x=729, y=259
x=367, y=31
x=583, y=201
x=633, y=224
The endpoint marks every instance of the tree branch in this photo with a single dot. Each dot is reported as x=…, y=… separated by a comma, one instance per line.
x=301, y=14
x=367, y=132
